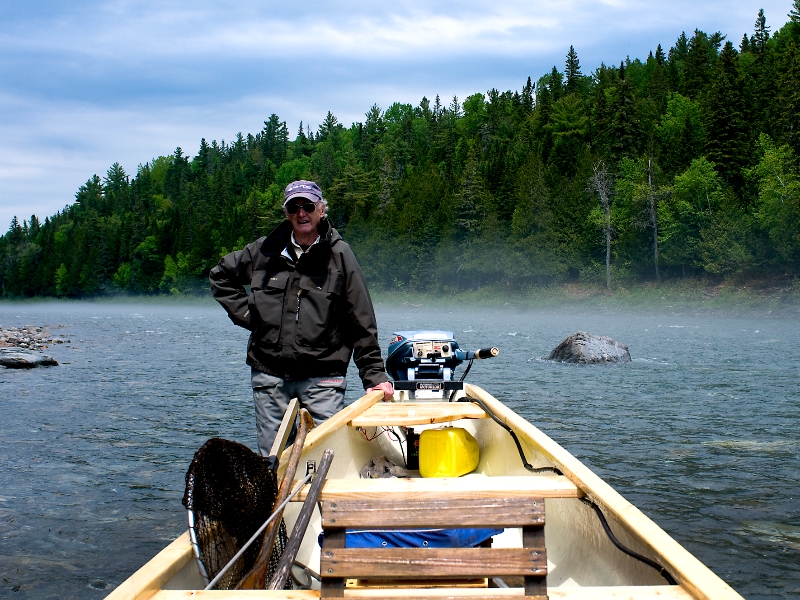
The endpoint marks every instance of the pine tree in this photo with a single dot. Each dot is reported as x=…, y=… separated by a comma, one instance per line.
x=572, y=72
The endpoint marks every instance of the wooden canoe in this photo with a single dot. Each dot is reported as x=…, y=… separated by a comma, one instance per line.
x=582, y=562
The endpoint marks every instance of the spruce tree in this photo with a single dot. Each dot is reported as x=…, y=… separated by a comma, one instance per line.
x=527, y=95
x=661, y=59
x=744, y=46
x=658, y=83
x=696, y=66
x=676, y=56
x=624, y=125
x=761, y=34
x=726, y=128
x=788, y=97
x=555, y=85
x=572, y=72
x=761, y=86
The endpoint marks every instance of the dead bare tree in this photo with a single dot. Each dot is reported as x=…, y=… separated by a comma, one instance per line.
x=600, y=183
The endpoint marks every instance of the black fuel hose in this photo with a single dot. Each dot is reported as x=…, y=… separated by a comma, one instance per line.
x=528, y=466
x=662, y=571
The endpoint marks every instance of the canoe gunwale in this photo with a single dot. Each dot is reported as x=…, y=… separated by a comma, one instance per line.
x=700, y=581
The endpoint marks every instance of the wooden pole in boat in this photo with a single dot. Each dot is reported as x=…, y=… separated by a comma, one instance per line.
x=256, y=578
x=283, y=571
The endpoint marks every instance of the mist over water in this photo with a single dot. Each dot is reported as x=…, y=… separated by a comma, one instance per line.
x=700, y=431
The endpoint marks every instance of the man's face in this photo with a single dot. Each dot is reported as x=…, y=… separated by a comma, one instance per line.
x=305, y=223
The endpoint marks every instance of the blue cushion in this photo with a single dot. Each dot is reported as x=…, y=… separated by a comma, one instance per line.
x=416, y=538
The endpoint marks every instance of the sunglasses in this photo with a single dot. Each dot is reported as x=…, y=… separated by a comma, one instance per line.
x=293, y=207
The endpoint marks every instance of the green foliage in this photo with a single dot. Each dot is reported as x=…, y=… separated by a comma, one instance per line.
x=779, y=199
x=178, y=276
x=680, y=133
x=123, y=278
x=700, y=145
x=62, y=280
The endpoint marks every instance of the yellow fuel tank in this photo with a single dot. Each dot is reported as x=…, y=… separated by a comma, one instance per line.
x=448, y=452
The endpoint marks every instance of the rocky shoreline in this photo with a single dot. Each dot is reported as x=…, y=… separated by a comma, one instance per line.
x=29, y=337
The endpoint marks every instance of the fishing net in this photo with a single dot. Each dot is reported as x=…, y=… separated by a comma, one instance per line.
x=231, y=491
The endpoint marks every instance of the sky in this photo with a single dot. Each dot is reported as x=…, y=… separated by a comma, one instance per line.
x=86, y=84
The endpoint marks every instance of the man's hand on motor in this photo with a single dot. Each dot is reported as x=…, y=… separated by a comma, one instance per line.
x=386, y=387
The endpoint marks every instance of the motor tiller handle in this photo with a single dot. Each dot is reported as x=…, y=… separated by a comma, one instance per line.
x=486, y=353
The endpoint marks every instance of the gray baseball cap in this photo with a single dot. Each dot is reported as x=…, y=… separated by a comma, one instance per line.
x=302, y=189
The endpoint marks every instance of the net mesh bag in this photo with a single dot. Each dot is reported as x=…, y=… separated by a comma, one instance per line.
x=231, y=491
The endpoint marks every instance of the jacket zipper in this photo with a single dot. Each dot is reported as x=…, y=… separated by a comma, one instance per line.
x=297, y=312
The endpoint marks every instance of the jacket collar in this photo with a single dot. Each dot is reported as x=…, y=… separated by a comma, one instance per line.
x=277, y=241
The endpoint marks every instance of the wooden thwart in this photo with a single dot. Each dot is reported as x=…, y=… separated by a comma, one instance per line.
x=416, y=413
x=433, y=563
x=471, y=487
x=394, y=514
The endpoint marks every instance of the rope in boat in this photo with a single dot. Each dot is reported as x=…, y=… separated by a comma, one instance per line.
x=662, y=570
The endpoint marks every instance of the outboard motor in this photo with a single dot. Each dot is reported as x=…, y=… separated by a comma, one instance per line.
x=423, y=363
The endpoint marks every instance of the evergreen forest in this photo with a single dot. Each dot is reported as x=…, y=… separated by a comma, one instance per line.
x=684, y=165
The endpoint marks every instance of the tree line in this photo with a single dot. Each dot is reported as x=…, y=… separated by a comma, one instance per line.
x=681, y=165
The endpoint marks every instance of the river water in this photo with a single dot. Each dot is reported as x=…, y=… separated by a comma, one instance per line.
x=700, y=431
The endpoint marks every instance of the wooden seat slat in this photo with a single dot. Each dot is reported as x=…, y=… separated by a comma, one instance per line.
x=338, y=563
x=432, y=563
x=473, y=487
x=443, y=512
x=416, y=413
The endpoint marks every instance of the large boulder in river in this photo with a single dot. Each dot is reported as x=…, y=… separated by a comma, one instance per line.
x=22, y=358
x=585, y=348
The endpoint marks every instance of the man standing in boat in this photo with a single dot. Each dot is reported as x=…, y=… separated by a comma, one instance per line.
x=308, y=312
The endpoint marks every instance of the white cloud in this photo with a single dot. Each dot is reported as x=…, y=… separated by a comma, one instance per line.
x=86, y=84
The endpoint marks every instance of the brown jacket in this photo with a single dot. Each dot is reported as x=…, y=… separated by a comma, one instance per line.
x=307, y=316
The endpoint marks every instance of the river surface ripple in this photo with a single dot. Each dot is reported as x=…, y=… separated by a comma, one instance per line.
x=700, y=431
